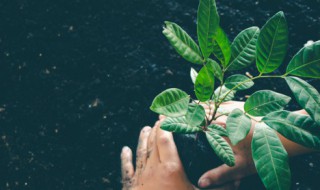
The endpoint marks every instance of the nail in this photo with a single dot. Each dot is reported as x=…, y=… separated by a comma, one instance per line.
x=204, y=182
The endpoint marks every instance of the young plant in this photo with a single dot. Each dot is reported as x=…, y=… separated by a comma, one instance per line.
x=267, y=48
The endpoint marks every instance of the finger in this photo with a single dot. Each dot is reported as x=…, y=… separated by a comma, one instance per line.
x=166, y=146
x=161, y=117
x=152, y=150
x=126, y=167
x=142, y=148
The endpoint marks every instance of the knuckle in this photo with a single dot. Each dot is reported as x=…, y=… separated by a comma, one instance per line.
x=141, y=152
x=171, y=168
x=164, y=140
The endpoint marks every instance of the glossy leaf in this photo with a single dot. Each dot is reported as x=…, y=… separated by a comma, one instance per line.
x=182, y=43
x=238, y=126
x=270, y=158
x=171, y=102
x=216, y=69
x=205, y=83
x=223, y=93
x=195, y=115
x=294, y=127
x=272, y=44
x=263, y=102
x=193, y=75
x=178, y=125
x=221, y=148
x=207, y=25
x=243, y=49
x=221, y=47
x=235, y=81
x=306, y=95
x=217, y=129
x=306, y=63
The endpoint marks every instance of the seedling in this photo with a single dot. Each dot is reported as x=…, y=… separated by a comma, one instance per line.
x=267, y=48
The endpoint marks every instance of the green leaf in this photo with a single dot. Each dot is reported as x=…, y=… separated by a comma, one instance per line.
x=270, y=158
x=221, y=47
x=236, y=80
x=224, y=91
x=171, y=102
x=193, y=75
x=263, y=102
x=221, y=148
x=272, y=44
x=238, y=126
x=306, y=63
x=195, y=114
x=182, y=43
x=294, y=127
x=243, y=49
x=178, y=125
x=207, y=25
x=216, y=69
x=217, y=129
x=205, y=83
x=306, y=95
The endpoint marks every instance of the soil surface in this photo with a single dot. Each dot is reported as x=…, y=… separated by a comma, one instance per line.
x=78, y=77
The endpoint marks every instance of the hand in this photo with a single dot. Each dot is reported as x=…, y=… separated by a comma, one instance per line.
x=158, y=165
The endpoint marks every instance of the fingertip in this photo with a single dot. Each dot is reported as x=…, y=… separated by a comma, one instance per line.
x=203, y=182
x=125, y=150
x=146, y=129
x=161, y=117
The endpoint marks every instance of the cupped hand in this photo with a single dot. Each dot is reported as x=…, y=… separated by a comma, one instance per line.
x=158, y=165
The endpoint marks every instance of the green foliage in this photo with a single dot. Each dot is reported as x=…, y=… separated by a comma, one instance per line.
x=268, y=47
x=272, y=44
x=270, y=158
x=263, y=102
x=208, y=23
x=243, y=49
x=238, y=126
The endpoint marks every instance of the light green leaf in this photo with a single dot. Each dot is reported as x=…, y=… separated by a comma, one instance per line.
x=216, y=69
x=217, y=129
x=205, y=83
x=178, y=125
x=195, y=114
x=207, y=25
x=270, y=158
x=236, y=80
x=243, y=49
x=294, y=127
x=221, y=148
x=193, y=75
x=221, y=47
x=306, y=63
x=171, y=102
x=272, y=44
x=223, y=93
x=238, y=126
x=182, y=43
x=306, y=95
x=263, y=102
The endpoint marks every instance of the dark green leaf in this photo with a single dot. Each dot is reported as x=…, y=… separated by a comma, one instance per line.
x=263, y=102
x=238, y=126
x=306, y=63
x=270, y=158
x=217, y=129
x=178, y=125
x=221, y=47
x=294, y=127
x=243, y=49
x=171, y=102
x=221, y=148
x=223, y=93
x=182, y=43
x=193, y=75
x=205, y=83
x=207, y=26
x=216, y=69
x=306, y=95
x=195, y=115
x=272, y=44
x=236, y=80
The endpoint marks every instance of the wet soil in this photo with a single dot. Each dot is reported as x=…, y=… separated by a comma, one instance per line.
x=77, y=78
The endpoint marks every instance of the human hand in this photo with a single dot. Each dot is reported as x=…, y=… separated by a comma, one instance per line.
x=158, y=165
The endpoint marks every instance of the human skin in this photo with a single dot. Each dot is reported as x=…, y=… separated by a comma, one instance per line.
x=158, y=164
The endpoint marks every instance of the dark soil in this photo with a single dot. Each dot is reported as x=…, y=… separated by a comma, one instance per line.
x=78, y=76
